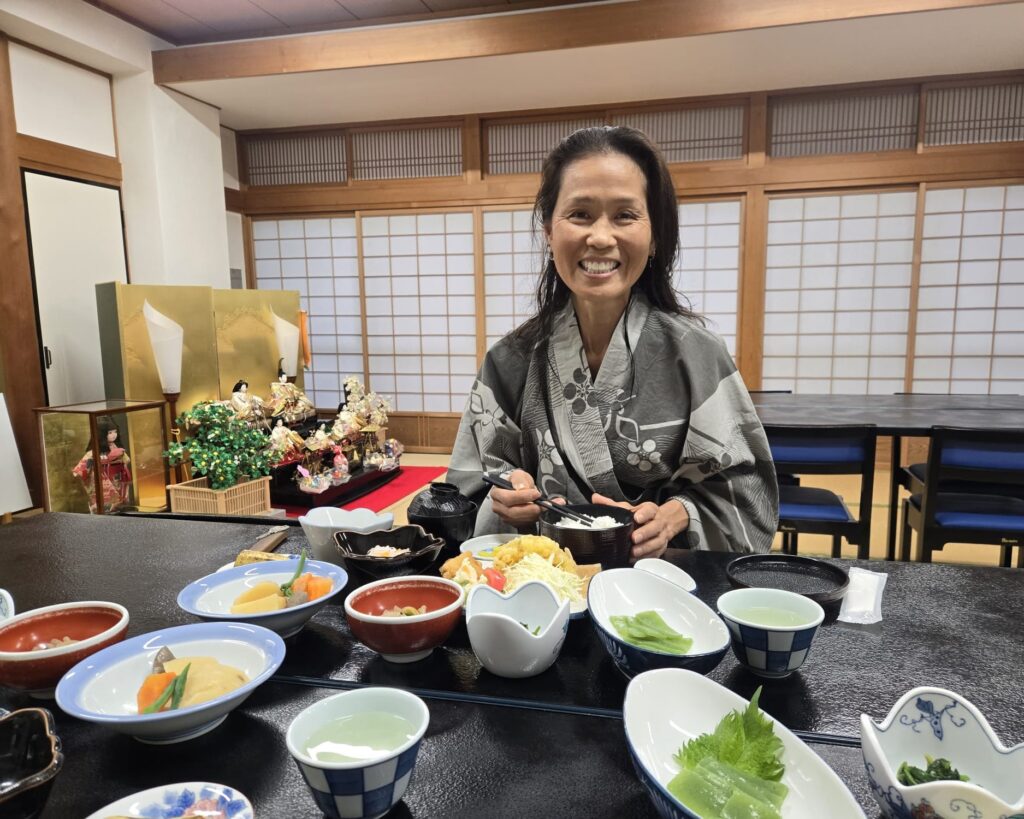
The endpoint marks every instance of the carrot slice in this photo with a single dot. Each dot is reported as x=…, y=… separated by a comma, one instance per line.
x=152, y=688
x=318, y=587
x=301, y=584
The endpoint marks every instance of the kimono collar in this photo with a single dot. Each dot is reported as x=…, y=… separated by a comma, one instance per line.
x=567, y=344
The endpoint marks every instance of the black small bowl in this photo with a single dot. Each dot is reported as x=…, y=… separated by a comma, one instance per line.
x=353, y=548
x=609, y=547
x=30, y=759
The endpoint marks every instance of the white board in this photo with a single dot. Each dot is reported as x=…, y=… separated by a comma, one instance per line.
x=77, y=242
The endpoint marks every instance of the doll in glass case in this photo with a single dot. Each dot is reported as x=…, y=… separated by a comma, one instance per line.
x=115, y=473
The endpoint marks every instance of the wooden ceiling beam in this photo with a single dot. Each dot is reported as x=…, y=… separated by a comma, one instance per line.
x=577, y=27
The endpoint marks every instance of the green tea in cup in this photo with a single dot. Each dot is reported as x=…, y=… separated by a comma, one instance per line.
x=360, y=737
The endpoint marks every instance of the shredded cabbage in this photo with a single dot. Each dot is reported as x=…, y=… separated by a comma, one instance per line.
x=567, y=585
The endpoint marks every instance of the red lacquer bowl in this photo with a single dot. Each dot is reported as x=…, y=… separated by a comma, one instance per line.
x=24, y=666
x=404, y=639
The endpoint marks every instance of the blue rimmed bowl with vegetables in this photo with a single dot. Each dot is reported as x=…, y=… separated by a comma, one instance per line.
x=936, y=755
x=277, y=595
x=646, y=622
x=174, y=684
x=703, y=752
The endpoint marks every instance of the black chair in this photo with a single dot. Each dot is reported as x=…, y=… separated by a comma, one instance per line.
x=844, y=450
x=992, y=459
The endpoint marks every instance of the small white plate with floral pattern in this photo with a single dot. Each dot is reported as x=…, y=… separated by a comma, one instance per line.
x=206, y=799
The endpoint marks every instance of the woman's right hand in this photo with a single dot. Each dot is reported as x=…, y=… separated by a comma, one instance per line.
x=516, y=507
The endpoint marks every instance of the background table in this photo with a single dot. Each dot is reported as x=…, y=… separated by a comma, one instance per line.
x=555, y=739
x=895, y=415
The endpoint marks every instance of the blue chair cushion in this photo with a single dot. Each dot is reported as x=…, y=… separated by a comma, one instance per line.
x=920, y=473
x=991, y=512
x=983, y=456
x=823, y=452
x=810, y=503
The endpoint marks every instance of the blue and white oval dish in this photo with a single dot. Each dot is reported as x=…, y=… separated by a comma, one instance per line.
x=631, y=591
x=211, y=597
x=103, y=687
x=666, y=708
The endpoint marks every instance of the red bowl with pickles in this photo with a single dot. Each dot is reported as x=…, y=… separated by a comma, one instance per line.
x=37, y=647
x=432, y=606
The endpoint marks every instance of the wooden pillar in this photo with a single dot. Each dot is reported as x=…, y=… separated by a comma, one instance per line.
x=750, y=332
x=19, y=337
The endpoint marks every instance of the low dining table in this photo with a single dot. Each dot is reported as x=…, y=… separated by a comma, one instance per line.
x=898, y=416
x=550, y=745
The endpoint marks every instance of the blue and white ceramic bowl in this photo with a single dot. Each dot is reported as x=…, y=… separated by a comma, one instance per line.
x=362, y=789
x=631, y=591
x=6, y=604
x=102, y=688
x=668, y=571
x=770, y=651
x=171, y=801
x=211, y=597
x=666, y=708
x=943, y=725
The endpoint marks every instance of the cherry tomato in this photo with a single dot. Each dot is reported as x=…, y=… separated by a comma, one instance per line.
x=495, y=579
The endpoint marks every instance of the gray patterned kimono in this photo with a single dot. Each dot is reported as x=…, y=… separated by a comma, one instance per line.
x=668, y=416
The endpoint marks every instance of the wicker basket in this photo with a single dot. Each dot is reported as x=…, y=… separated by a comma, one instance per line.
x=195, y=497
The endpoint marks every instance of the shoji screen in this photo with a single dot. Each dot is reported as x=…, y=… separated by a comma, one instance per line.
x=512, y=262
x=318, y=257
x=420, y=309
x=707, y=268
x=970, y=319
x=837, y=292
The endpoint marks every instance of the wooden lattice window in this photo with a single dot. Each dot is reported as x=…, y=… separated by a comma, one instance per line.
x=404, y=153
x=692, y=134
x=295, y=159
x=974, y=113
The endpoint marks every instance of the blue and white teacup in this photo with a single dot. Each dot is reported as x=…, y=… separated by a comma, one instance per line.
x=362, y=789
x=770, y=650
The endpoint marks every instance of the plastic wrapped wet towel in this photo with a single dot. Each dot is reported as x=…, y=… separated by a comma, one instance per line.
x=863, y=600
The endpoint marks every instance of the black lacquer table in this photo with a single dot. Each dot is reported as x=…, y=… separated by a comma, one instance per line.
x=892, y=415
x=547, y=746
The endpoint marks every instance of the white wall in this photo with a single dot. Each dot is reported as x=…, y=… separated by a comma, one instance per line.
x=236, y=242
x=169, y=144
x=61, y=102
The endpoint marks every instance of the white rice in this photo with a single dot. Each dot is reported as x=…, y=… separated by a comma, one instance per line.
x=602, y=522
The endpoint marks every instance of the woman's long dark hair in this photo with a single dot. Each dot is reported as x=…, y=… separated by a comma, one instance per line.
x=656, y=280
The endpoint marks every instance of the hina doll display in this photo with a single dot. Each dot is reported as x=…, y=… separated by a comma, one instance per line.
x=285, y=444
x=288, y=403
x=247, y=406
x=114, y=468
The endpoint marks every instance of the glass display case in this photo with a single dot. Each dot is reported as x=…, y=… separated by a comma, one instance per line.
x=104, y=456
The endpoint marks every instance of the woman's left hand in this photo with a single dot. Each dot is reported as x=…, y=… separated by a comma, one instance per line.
x=655, y=525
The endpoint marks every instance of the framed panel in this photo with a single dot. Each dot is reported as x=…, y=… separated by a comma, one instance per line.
x=837, y=292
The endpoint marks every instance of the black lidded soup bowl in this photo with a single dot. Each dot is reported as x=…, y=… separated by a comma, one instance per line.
x=609, y=547
x=445, y=513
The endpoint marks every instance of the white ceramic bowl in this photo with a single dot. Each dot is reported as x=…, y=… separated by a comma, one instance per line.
x=667, y=571
x=102, y=688
x=366, y=788
x=6, y=604
x=519, y=634
x=770, y=651
x=666, y=708
x=320, y=524
x=482, y=546
x=211, y=597
x=943, y=725
x=198, y=796
x=631, y=591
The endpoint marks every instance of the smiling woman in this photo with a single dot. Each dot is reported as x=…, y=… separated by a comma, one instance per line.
x=614, y=393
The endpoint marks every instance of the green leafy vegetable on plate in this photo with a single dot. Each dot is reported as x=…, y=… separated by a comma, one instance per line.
x=647, y=630
x=936, y=770
x=733, y=772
